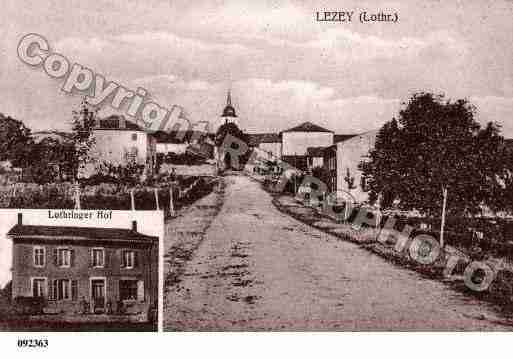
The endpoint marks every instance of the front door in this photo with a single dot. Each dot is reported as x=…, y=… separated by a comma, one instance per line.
x=98, y=295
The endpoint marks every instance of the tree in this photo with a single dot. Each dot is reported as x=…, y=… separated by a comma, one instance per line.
x=436, y=153
x=82, y=138
x=15, y=141
x=49, y=161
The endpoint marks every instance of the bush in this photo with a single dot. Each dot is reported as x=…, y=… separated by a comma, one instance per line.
x=187, y=158
x=29, y=305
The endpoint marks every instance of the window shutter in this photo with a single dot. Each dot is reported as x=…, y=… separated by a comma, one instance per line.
x=55, y=257
x=51, y=294
x=91, y=258
x=123, y=263
x=74, y=290
x=55, y=289
x=136, y=259
x=106, y=257
x=140, y=291
x=72, y=257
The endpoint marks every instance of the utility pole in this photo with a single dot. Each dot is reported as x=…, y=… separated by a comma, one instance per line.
x=171, y=203
x=157, y=198
x=444, y=204
x=132, y=199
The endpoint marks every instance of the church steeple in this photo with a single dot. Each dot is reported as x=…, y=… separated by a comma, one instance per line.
x=229, y=110
x=229, y=98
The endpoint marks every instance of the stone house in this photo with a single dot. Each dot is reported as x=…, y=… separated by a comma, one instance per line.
x=81, y=270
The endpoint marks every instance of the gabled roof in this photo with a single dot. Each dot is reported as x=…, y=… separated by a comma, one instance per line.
x=77, y=233
x=307, y=127
x=117, y=122
x=254, y=139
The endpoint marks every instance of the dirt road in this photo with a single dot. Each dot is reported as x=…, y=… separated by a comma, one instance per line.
x=258, y=269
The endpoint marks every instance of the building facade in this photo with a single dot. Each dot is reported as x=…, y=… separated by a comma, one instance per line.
x=80, y=270
x=296, y=140
x=346, y=159
x=120, y=142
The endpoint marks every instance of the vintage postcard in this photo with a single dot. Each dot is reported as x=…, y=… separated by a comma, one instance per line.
x=303, y=166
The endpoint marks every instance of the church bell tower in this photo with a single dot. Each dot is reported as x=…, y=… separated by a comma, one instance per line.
x=229, y=114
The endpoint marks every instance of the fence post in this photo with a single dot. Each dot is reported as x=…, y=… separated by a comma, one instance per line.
x=132, y=199
x=77, y=197
x=157, y=198
x=171, y=204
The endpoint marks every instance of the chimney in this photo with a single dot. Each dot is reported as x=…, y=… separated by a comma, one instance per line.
x=134, y=226
x=20, y=219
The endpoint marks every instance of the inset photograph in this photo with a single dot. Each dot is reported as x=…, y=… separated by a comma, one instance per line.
x=79, y=270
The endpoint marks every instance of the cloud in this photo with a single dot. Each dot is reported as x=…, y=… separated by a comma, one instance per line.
x=495, y=109
x=282, y=65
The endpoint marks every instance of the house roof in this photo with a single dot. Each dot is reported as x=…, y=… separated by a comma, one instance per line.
x=340, y=138
x=179, y=136
x=117, y=122
x=315, y=151
x=255, y=139
x=77, y=233
x=307, y=127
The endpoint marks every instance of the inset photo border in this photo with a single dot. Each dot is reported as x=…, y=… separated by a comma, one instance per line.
x=80, y=270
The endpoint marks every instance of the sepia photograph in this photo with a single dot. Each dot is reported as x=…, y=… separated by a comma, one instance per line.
x=67, y=270
x=241, y=166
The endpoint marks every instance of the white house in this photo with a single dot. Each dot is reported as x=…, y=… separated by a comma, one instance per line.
x=118, y=141
x=348, y=155
x=296, y=140
x=268, y=143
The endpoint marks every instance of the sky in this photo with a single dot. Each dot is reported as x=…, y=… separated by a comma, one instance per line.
x=282, y=65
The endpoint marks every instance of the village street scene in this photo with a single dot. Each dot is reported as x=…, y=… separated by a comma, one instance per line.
x=246, y=257
x=292, y=167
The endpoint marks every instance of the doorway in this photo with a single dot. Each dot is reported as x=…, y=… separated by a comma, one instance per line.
x=98, y=295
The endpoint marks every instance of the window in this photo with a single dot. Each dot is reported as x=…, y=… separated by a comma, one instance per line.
x=134, y=136
x=63, y=257
x=38, y=287
x=131, y=155
x=98, y=257
x=39, y=256
x=63, y=289
x=128, y=259
x=128, y=290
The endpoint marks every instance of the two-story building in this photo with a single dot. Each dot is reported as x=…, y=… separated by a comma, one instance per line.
x=343, y=159
x=119, y=142
x=297, y=140
x=81, y=270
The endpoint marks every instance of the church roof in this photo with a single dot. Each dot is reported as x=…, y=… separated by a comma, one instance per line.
x=229, y=110
x=307, y=127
